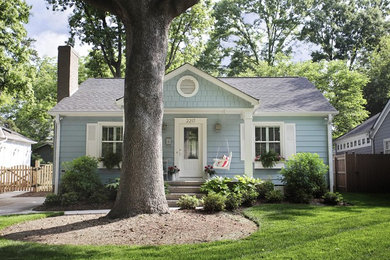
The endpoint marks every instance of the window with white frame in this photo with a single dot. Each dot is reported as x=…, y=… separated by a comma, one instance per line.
x=267, y=138
x=112, y=139
x=386, y=146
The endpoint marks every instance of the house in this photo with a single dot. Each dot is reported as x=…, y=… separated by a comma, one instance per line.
x=204, y=117
x=370, y=137
x=15, y=149
x=45, y=151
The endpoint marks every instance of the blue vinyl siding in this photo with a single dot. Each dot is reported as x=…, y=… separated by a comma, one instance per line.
x=311, y=136
x=208, y=96
x=73, y=139
x=383, y=133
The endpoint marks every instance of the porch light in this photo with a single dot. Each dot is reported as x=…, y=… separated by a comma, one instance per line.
x=218, y=127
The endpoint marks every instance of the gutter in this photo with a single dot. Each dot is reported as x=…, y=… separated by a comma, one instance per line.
x=330, y=153
x=57, y=153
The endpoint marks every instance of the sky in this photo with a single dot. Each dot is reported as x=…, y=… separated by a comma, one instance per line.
x=49, y=29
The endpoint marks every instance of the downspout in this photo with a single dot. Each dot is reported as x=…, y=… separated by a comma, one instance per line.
x=330, y=153
x=57, y=153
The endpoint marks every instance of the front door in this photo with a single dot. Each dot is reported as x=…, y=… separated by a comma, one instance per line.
x=190, y=147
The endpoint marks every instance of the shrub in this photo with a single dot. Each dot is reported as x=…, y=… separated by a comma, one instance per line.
x=214, y=202
x=52, y=200
x=81, y=177
x=166, y=188
x=333, y=198
x=69, y=198
x=111, y=160
x=304, y=177
x=216, y=184
x=188, y=202
x=98, y=197
x=274, y=196
x=112, y=189
x=233, y=201
x=249, y=197
x=264, y=187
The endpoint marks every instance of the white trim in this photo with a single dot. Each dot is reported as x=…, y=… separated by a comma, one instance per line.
x=384, y=145
x=242, y=141
x=213, y=80
x=206, y=110
x=203, y=129
x=319, y=113
x=380, y=120
x=248, y=141
x=187, y=77
x=57, y=153
x=352, y=139
x=330, y=153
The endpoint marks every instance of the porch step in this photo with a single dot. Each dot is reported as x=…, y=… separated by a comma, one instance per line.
x=180, y=188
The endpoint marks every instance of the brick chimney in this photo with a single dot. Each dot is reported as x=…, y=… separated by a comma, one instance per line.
x=68, y=64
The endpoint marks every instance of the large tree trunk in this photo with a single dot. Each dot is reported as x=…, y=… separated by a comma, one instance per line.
x=142, y=186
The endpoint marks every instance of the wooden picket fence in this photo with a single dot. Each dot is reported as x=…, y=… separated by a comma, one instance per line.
x=27, y=178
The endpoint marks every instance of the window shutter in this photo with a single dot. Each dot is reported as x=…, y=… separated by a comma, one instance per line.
x=289, y=140
x=92, y=144
x=242, y=142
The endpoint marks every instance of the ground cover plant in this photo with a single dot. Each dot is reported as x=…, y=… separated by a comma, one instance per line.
x=287, y=231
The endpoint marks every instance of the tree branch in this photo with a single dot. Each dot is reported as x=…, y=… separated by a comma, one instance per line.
x=176, y=7
x=105, y=5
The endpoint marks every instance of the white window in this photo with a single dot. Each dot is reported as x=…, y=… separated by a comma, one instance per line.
x=386, y=146
x=267, y=138
x=112, y=139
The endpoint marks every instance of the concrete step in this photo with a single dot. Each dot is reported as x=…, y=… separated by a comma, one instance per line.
x=185, y=183
x=184, y=189
x=176, y=196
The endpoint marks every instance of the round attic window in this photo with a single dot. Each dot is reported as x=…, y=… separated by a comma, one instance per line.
x=187, y=86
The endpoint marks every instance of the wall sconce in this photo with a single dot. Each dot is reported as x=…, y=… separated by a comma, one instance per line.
x=164, y=126
x=218, y=127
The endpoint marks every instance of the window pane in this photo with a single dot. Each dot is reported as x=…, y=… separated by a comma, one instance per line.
x=105, y=133
x=110, y=133
x=275, y=147
x=263, y=134
x=257, y=133
x=191, y=144
x=271, y=134
x=277, y=133
x=118, y=133
x=260, y=148
x=107, y=148
x=118, y=149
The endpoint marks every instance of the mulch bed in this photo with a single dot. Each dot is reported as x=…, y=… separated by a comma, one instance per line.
x=34, y=194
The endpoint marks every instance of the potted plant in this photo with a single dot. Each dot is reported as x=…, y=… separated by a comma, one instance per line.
x=172, y=170
x=111, y=160
x=209, y=171
x=267, y=160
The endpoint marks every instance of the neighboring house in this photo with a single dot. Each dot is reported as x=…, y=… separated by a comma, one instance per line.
x=45, y=151
x=370, y=137
x=15, y=149
x=204, y=118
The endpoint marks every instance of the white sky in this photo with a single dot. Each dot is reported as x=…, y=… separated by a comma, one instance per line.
x=50, y=29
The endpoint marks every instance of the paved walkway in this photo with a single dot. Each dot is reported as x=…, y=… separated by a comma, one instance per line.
x=9, y=204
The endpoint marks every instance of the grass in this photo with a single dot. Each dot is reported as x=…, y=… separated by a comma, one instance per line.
x=287, y=231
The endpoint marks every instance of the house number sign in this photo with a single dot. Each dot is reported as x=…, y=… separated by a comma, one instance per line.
x=190, y=120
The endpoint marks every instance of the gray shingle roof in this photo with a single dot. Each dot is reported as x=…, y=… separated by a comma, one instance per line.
x=275, y=95
x=7, y=134
x=287, y=94
x=364, y=127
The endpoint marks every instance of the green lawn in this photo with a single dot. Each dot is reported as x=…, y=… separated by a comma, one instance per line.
x=287, y=231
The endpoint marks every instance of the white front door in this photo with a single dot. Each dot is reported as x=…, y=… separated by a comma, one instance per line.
x=190, y=147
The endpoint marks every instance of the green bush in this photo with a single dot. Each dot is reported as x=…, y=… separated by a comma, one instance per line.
x=52, y=200
x=81, y=177
x=333, y=198
x=216, y=184
x=233, y=201
x=69, y=198
x=111, y=160
x=166, y=188
x=274, y=196
x=249, y=197
x=264, y=187
x=112, y=189
x=188, y=202
x=304, y=177
x=214, y=202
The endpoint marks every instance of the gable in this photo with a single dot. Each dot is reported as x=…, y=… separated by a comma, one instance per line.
x=208, y=95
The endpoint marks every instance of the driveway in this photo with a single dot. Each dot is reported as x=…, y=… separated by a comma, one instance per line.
x=9, y=204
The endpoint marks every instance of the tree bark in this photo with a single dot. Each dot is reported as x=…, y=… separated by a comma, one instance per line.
x=141, y=188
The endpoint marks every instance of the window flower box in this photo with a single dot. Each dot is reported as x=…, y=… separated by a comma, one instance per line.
x=259, y=165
